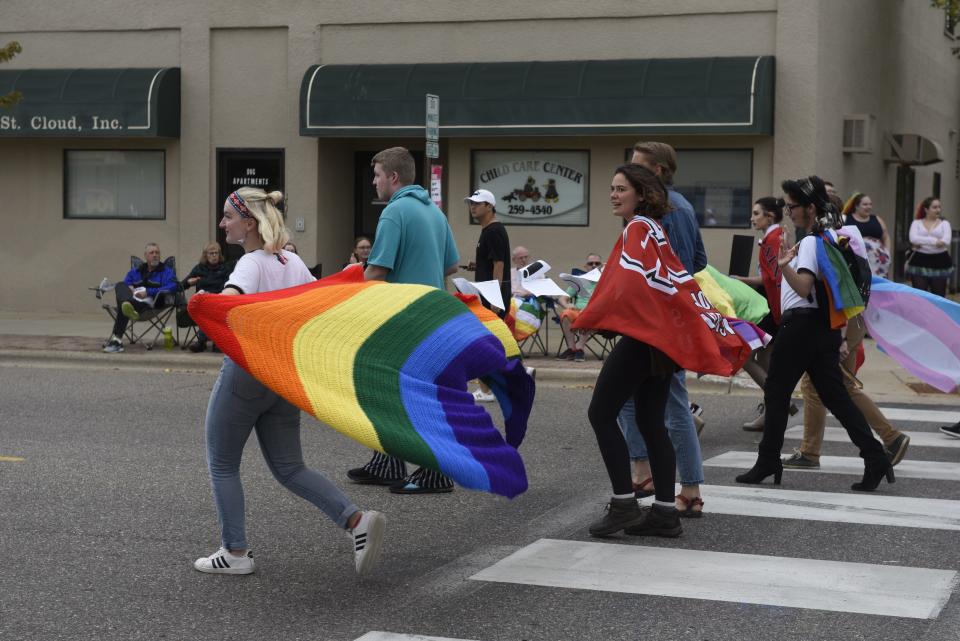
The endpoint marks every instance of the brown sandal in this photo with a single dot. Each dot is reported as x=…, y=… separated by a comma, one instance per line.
x=640, y=489
x=685, y=506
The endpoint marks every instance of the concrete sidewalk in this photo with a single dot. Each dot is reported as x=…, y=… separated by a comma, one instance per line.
x=76, y=340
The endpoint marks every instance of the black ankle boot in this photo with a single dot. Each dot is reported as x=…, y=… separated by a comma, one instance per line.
x=872, y=475
x=761, y=470
x=657, y=521
x=621, y=513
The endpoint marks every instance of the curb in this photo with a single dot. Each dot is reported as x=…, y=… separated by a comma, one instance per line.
x=148, y=360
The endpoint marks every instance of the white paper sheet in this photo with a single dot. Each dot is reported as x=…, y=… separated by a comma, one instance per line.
x=543, y=287
x=489, y=290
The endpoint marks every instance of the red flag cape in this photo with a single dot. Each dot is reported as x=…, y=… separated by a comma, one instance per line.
x=645, y=293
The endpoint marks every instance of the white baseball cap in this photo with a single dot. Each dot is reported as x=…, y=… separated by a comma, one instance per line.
x=481, y=196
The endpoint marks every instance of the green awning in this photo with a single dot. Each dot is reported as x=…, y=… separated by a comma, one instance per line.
x=584, y=97
x=92, y=103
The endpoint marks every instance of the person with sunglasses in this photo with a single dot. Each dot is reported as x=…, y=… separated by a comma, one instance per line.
x=570, y=307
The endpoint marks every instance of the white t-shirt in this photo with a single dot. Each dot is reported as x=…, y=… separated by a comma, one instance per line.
x=258, y=271
x=806, y=258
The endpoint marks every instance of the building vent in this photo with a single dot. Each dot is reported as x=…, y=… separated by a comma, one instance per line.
x=858, y=133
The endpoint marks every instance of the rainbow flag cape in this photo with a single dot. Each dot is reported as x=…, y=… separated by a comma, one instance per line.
x=919, y=330
x=845, y=300
x=386, y=365
x=732, y=297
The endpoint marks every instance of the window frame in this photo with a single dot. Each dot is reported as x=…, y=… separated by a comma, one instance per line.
x=163, y=178
x=752, y=151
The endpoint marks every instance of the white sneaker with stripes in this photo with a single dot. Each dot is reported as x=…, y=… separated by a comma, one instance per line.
x=222, y=562
x=367, y=537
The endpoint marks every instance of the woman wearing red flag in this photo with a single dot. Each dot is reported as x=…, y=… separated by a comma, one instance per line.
x=647, y=297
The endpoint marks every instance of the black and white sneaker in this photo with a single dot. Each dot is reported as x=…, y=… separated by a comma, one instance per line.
x=952, y=430
x=113, y=346
x=222, y=562
x=367, y=537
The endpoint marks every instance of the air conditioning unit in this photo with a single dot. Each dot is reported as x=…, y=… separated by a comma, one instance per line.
x=858, y=133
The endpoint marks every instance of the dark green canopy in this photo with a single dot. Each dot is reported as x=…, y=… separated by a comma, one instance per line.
x=583, y=97
x=87, y=103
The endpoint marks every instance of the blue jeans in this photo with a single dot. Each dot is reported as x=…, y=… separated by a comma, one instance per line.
x=238, y=404
x=680, y=427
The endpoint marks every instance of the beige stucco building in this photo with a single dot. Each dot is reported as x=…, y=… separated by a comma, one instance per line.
x=749, y=92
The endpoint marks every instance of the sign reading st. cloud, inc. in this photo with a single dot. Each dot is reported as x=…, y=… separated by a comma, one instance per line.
x=535, y=187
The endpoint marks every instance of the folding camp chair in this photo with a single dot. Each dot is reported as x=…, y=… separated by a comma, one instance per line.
x=187, y=330
x=152, y=321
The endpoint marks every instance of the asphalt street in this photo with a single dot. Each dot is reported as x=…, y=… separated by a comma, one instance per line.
x=105, y=502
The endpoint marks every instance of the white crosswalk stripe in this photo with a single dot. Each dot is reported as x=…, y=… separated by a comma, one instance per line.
x=917, y=439
x=934, y=470
x=917, y=415
x=868, y=509
x=393, y=636
x=836, y=586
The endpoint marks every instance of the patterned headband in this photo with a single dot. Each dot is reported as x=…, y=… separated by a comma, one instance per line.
x=239, y=205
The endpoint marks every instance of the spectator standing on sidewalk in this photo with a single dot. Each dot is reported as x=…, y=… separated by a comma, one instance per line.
x=930, y=266
x=490, y=261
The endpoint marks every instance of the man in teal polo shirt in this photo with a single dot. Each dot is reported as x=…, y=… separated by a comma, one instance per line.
x=414, y=245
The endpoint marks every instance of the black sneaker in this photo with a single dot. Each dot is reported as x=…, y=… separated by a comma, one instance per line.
x=578, y=356
x=362, y=476
x=657, y=521
x=952, y=430
x=566, y=355
x=800, y=462
x=897, y=449
x=621, y=513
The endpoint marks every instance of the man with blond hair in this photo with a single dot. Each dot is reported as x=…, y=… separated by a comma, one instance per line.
x=414, y=245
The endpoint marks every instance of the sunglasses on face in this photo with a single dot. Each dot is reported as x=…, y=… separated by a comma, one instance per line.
x=594, y=264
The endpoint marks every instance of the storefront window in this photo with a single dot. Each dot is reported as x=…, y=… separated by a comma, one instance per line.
x=114, y=184
x=718, y=183
x=536, y=187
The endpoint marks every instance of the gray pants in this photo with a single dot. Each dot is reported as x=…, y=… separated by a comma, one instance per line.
x=238, y=404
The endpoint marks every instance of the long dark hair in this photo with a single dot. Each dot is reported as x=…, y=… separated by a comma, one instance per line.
x=772, y=206
x=655, y=203
x=811, y=191
x=924, y=206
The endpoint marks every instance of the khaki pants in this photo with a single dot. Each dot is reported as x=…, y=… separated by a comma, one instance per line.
x=815, y=414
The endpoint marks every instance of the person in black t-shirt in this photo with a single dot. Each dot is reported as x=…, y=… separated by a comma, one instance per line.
x=492, y=259
x=493, y=248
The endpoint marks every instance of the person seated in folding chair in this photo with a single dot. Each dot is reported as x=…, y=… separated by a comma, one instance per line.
x=142, y=289
x=526, y=310
x=571, y=305
x=210, y=275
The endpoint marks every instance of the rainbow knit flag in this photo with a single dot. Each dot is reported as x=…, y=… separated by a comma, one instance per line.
x=386, y=365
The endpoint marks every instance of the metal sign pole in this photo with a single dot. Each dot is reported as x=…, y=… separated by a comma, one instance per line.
x=432, y=148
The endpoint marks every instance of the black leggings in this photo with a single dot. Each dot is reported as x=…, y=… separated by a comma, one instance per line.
x=936, y=286
x=626, y=374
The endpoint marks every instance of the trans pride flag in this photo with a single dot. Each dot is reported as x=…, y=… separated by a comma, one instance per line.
x=386, y=365
x=919, y=330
